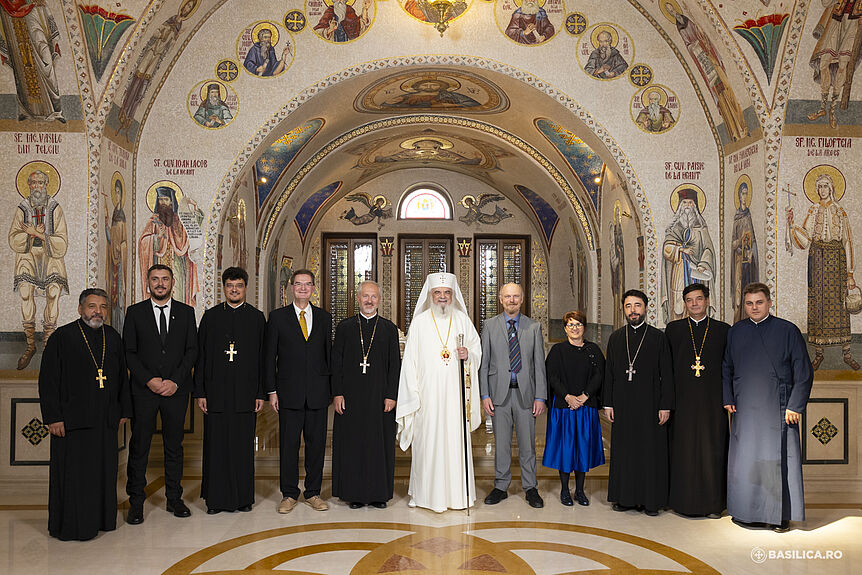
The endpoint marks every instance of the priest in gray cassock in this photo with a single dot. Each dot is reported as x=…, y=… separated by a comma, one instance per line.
x=229, y=391
x=366, y=362
x=429, y=413
x=767, y=377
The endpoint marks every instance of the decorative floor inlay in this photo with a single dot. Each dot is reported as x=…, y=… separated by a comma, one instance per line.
x=449, y=549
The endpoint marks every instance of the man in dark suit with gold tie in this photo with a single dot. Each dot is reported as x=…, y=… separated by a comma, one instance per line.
x=160, y=336
x=298, y=344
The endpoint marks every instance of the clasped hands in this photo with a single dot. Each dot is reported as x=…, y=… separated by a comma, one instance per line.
x=163, y=387
x=576, y=401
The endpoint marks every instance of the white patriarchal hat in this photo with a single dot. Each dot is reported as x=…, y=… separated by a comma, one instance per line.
x=435, y=280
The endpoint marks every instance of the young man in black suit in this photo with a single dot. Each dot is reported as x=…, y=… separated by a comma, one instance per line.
x=298, y=344
x=160, y=336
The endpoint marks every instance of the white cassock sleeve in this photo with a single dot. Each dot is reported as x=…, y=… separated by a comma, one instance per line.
x=473, y=343
x=408, y=391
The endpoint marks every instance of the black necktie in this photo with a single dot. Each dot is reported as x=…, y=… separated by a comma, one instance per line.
x=163, y=323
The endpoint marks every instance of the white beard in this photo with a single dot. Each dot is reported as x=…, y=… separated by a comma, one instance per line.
x=340, y=9
x=38, y=198
x=530, y=8
x=654, y=111
x=441, y=310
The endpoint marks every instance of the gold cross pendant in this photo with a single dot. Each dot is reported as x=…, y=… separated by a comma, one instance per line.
x=101, y=379
x=697, y=366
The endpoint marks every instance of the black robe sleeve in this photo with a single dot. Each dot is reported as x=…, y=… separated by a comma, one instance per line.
x=665, y=365
x=261, y=370
x=49, y=383
x=125, y=393
x=394, y=364
x=608, y=383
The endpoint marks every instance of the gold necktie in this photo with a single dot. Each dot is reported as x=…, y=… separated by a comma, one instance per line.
x=303, y=325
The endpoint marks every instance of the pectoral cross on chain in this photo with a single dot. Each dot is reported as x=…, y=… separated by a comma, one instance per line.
x=101, y=378
x=364, y=365
x=231, y=352
x=697, y=366
x=631, y=371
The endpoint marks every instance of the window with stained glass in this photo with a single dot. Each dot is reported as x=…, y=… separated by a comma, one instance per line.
x=425, y=203
x=420, y=257
x=499, y=261
x=349, y=261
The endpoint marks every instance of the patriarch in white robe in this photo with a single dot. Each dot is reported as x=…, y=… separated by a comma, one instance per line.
x=429, y=413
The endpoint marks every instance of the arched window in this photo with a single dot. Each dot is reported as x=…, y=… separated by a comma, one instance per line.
x=425, y=203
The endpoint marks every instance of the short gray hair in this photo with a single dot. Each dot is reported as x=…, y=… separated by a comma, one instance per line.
x=91, y=291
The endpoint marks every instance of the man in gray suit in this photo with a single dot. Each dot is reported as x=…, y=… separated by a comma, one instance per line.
x=514, y=389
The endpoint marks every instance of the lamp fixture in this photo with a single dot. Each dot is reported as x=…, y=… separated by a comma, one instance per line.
x=441, y=12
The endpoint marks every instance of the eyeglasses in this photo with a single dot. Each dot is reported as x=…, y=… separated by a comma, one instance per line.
x=574, y=325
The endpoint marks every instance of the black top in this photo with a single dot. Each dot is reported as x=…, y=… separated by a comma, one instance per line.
x=216, y=375
x=575, y=370
x=68, y=388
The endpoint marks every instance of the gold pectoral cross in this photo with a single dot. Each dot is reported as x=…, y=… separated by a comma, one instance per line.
x=697, y=366
x=231, y=352
x=101, y=379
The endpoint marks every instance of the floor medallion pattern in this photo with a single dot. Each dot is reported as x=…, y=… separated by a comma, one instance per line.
x=513, y=547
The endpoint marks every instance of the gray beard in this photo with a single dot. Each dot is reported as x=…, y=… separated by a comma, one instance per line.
x=94, y=323
x=340, y=9
x=687, y=219
x=38, y=198
x=604, y=52
x=654, y=111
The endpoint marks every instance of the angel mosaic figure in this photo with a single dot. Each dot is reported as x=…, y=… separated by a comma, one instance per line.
x=474, y=210
x=376, y=209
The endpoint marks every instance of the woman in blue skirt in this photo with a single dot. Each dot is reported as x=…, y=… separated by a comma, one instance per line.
x=573, y=440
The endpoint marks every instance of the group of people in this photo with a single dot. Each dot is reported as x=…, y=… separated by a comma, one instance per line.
x=236, y=361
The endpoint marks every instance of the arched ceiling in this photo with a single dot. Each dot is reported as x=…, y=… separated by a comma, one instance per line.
x=500, y=145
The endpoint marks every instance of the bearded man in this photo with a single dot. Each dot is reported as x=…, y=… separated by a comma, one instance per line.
x=655, y=117
x=164, y=241
x=261, y=59
x=39, y=239
x=529, y=24
x=429, y=413
x=688, y=253
x=340, y=23
x=605, y=61
x=213, y=112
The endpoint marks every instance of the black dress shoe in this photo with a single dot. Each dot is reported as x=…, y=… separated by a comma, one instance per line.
x=620, y=508
x=534, y=499
x=496, y=496
x=749, y=525
x=211, y=511
x=136, y=515
x=178, y=508
x=566, y=498
x=651, y=512
x=582, y=498
x=356, y=505
x=784, y=527
x=378, y=504
x=245, y=508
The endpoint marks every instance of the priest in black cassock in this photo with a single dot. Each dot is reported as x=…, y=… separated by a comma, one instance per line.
x=698, y=429
x=638, y=395
x=229, y=391
x=767, y=378
x=366, y=363
x=84, y=395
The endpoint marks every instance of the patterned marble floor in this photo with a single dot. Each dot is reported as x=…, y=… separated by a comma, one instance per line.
x=507, y=538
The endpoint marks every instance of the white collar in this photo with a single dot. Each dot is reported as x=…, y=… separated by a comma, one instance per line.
x=166, y=305
x=761, y=321
x=697, y=321
x=368, y=317
x=635, y=327
x=235, y=306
